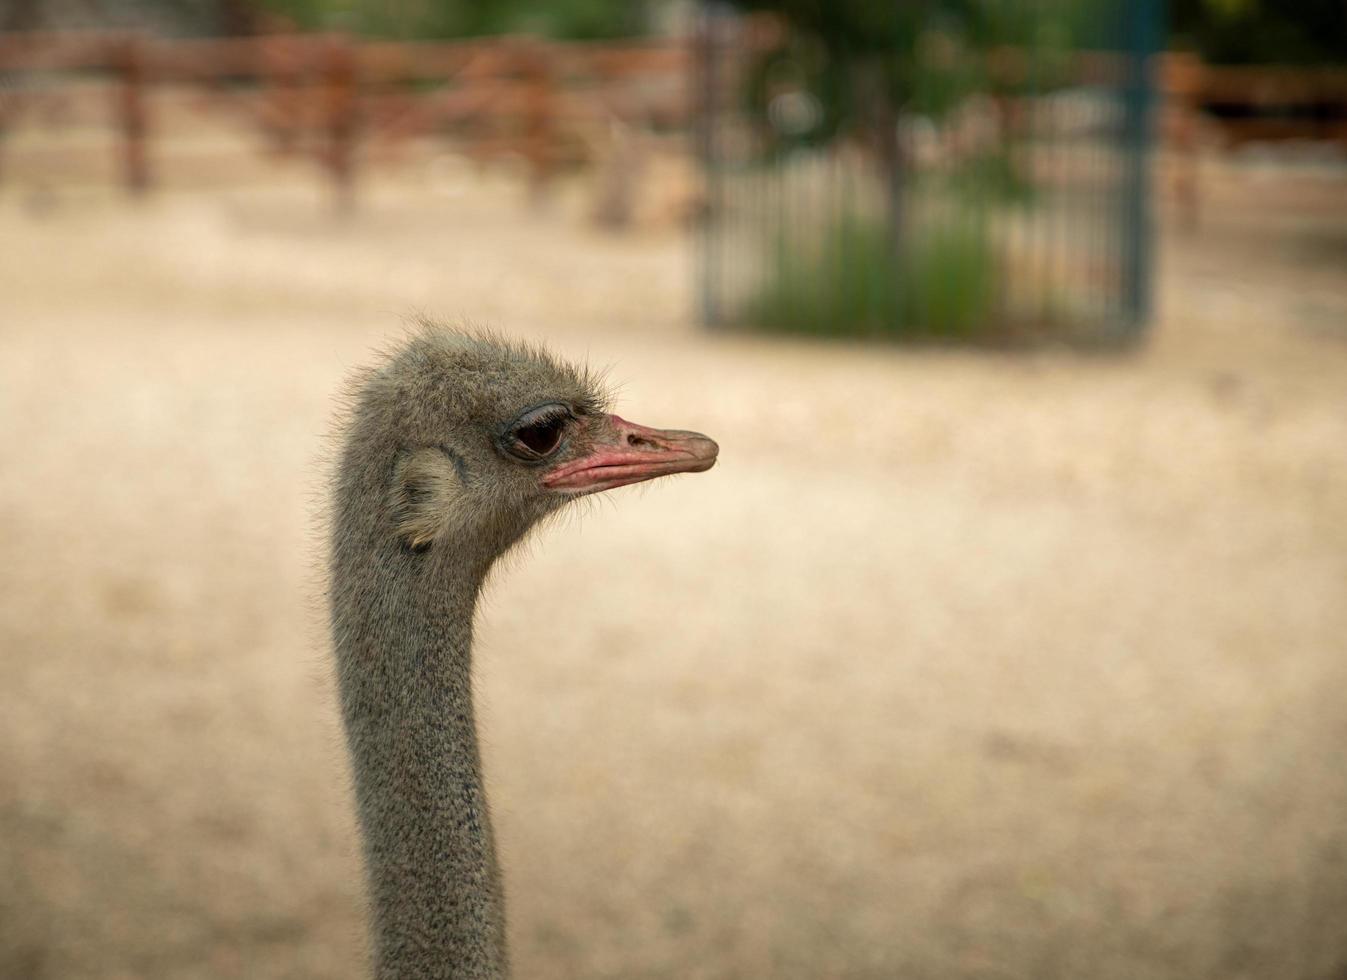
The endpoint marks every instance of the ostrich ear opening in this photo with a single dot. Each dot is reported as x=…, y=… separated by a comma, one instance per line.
x=425, y=484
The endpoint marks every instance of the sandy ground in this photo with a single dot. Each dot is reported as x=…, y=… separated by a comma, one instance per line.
x=959, y=665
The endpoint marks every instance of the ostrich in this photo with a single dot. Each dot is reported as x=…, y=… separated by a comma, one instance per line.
x=455, y=446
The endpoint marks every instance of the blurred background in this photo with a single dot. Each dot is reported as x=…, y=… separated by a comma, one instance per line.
x=1009, y=637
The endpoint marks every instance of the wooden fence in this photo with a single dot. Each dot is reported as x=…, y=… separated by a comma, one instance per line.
x=1240, y=105
x=547, y=102
x=326, y=95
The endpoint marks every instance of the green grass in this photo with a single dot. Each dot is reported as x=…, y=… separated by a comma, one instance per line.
x=850, y=280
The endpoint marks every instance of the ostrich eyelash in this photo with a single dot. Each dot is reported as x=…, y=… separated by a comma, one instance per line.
x=558, y=414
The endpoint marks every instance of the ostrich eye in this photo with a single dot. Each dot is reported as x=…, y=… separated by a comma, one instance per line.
x=538, y=432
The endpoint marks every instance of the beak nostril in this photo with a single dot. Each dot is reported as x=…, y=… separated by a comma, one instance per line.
x=638, y=442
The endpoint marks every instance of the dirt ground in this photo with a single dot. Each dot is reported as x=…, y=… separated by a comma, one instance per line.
x=960, y=665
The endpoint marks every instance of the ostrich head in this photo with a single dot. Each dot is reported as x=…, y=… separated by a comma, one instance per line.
x=474, y=440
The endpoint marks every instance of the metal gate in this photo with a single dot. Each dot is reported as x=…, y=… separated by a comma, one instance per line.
x=966, y=171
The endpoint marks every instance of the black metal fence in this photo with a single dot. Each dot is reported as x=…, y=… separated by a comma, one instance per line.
x=970, y=171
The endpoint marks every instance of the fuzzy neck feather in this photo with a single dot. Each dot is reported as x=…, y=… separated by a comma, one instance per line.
x=402, y=632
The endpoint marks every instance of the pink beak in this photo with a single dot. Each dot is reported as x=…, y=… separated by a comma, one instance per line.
x=625, y=452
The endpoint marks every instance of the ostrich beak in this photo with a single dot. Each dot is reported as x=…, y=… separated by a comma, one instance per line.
x=624, y=452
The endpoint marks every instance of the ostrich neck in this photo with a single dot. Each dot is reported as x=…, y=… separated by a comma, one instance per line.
x=402, y=627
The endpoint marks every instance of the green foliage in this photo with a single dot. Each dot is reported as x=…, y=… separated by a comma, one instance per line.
x=951, y=281
x=990, y=178
x=860, y=65
x=925, y=56
x=843, y=283
x=418, y=19
x=851, y=281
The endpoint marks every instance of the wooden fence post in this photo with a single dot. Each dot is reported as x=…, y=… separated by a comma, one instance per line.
x=132, y=116
x=280, y=69
x=1182, y=83
x=340, y=117
x=539, y=115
